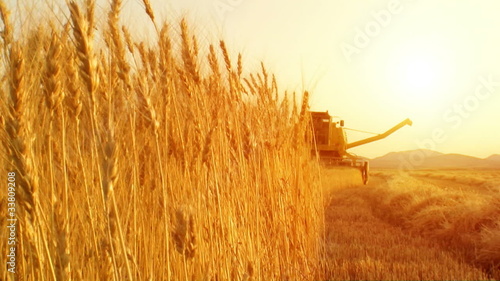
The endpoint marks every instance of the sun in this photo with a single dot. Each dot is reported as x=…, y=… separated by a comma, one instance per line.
x=419, y=80
x=420, y=74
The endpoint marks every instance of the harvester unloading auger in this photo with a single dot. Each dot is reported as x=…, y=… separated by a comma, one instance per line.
x=330, y=142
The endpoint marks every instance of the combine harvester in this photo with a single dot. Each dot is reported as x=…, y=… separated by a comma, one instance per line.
x=330, y=142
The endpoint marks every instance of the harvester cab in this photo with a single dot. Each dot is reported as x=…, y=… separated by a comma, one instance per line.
x=330, y=142
x=329, y=137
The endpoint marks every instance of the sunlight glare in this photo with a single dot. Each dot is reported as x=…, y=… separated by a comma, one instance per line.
x=419, y=80
x=420, y=74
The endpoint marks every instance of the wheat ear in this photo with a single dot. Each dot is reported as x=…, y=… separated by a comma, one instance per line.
x=88, y=63
x=17, y=130
x=119, y=53
x=188, y=54
x=7, y=30
x=53, y=92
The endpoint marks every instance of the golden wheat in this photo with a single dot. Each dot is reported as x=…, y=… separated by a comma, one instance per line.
x=461, y=219
x=157, y=170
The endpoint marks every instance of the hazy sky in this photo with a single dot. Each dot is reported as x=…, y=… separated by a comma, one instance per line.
x=373, y=63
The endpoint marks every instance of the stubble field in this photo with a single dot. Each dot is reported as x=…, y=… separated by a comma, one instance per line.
x=432, y=225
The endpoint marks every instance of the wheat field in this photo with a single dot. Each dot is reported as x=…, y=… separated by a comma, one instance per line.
x=403, y=226
x=411, y=225
x=147, y=161
x=167, y=160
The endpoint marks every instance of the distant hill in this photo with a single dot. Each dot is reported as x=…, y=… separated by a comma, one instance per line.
x=494, y=158
x=424, y=159
x=455, y=161
x=397, y=159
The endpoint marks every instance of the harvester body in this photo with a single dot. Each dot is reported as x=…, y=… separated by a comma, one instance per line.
x=330, y=142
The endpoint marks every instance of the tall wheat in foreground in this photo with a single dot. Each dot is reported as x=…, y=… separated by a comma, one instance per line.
x=158, y=161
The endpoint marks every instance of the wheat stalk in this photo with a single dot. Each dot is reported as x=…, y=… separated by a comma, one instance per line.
x=83, y=39
x=73, y=88
x=251, y=89
x=240, y=65
x=119, y=53
x=17, y=130
x=62, y=260
x=189, y=55
x=206, y=147
x=214, y=64
x=305, y=106
x=90, y=16
x=165, y=49
x=19, y=147
x=128, y=39
x=150, y=13
x=53, y=92
x=7, y=30
x=223, y=47
x=145, y=103
x=184, y=235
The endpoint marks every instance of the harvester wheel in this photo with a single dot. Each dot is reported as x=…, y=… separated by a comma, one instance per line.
x=364, y=173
